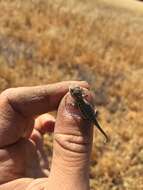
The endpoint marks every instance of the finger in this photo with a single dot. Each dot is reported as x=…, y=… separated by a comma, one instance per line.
x=38, y=140
x=21, y=183
x=45, y=123
x=72, y=147
x=31, y=101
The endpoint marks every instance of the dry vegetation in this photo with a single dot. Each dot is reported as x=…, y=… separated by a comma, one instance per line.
x=47, y=41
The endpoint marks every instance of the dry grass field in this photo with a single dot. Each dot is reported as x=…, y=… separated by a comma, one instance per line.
x=48, y=41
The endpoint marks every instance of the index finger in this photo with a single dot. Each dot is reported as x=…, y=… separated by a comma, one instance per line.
x=31, y=101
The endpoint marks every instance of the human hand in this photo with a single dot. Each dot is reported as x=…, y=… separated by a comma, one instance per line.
x=21, y=145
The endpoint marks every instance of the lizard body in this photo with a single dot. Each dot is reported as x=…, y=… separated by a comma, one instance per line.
x=86, y=108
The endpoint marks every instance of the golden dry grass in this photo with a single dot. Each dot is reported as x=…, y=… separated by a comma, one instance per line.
x=132, y=5
x=47, y=41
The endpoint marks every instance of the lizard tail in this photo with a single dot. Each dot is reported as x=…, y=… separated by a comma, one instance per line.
x=101, y=130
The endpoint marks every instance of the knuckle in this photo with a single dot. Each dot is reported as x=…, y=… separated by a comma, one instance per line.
x=5, y=96
x=72, y=143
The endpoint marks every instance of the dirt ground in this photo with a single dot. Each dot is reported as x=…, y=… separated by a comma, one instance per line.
x=84, y=40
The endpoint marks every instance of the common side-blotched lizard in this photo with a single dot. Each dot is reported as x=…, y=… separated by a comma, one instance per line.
x=85, y=107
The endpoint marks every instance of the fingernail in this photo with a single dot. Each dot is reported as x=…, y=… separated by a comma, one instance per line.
x=71, y=107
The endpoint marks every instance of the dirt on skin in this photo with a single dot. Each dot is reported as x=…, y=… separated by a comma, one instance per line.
x=82, y=40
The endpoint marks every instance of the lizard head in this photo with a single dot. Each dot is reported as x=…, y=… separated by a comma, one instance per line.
x=76, y=92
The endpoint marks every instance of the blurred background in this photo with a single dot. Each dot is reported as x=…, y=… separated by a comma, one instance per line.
x=100, y=41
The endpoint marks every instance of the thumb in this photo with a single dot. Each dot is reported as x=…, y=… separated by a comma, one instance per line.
x=72, y=147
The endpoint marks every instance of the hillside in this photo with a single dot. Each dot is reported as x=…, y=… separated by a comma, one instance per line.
x=135, y=6
x=84, y=40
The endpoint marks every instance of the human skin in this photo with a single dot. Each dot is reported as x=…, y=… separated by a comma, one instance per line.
x=21, y=144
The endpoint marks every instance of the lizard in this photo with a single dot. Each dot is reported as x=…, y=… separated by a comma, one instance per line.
x=87, y=110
